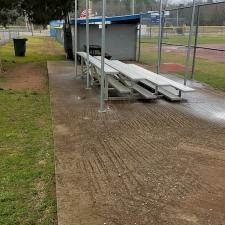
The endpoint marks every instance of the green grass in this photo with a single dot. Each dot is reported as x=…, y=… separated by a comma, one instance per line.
x=3, y=78
x=26, y=159
x=208, y=72
x=27, y=186
x=180, y=39
x=36, y=51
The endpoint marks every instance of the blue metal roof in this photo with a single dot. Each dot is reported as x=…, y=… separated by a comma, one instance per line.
x=55, y=23
x=114, y=19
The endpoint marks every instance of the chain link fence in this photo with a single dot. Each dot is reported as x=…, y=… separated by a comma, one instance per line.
x=14, y=32
x=207, y=62
x=7, y=35
x=60, y=35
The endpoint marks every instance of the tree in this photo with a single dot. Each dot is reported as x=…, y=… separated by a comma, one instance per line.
x=6, y=4
x=42, y=11
x=8, y=16
x=38, y=12
x=122, y=7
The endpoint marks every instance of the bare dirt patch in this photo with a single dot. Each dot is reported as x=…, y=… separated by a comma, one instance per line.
x=164, y=67
x=212, y=55
x=215, y=56
x=172, y=67
x=29, y=76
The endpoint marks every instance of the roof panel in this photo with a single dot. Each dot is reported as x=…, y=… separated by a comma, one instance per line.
x=114, y=19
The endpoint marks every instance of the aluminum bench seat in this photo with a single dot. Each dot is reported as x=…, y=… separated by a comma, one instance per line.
x=117, y=85
x=132, y=74
x=163, y=90
x=172, y=83
x=134, y=77
x=95, y=62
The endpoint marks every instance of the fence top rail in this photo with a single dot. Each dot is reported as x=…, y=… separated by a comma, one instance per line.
x=12, y=30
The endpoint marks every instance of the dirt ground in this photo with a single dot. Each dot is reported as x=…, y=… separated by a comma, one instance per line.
x=141, y=163
x=29, y=76
x=172, y=67
x=215, y=56
x=164, y=67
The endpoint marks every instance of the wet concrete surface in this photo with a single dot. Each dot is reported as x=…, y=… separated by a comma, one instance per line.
x=141, y=163
x=206, y=102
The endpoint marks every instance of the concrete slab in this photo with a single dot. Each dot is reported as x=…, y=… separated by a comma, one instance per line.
x=139, y=163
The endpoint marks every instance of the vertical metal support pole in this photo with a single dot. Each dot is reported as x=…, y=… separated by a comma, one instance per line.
x=102, y=95
x=82, y=65
x=106, y=87
x=87, y=43
x=92, y=75
x=160, y=38
x=75, y=37
x=150, y=31
x=161, y=41
x=189, y=44
x=196, y=43
x=32, y=29
x=3, y=36
x=90, y=6
x=133, y=7
x=139, y=40
x=177, y=18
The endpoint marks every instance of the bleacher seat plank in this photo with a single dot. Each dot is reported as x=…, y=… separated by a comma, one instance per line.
x=131, y=74
x=118, y=85
x=141, y=90
x=97, y=63
x=174, y=84
x=163, y=91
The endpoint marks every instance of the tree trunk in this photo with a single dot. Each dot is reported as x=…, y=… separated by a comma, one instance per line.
x=1, y=67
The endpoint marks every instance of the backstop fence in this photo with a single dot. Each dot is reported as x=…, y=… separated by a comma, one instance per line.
x=207, y=40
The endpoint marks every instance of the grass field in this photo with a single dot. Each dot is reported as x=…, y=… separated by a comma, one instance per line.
x=212, y=73
x=180, y=39
x=27, y=194
x=39, y=49
x=26, y=159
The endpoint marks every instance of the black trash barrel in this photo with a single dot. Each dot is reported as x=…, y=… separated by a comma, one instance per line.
x=68, y=42
x=180, y=30
x=20, y=46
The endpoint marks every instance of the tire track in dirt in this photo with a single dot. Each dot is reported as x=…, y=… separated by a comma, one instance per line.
x=117, y=162
x=128, y=172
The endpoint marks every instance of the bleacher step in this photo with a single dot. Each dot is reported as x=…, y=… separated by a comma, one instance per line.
x=118, y=85
x=163, y=91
